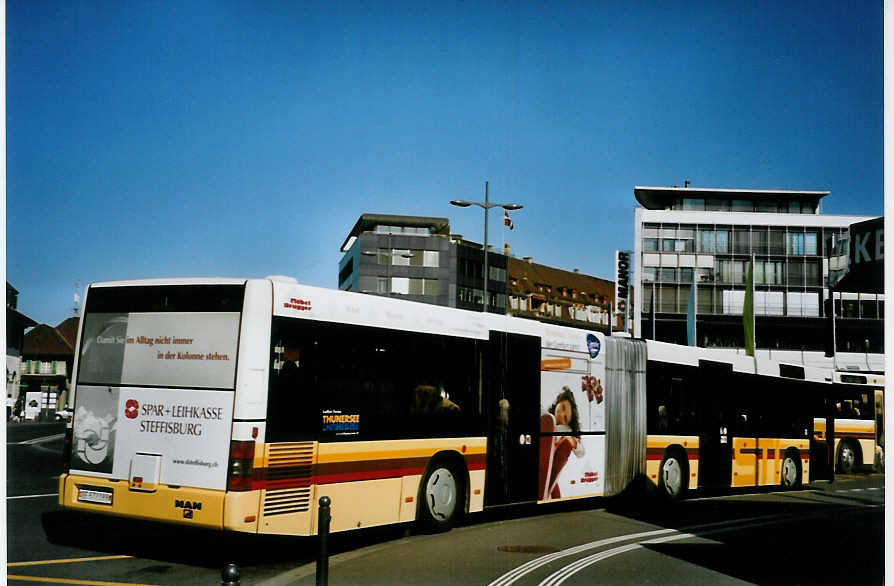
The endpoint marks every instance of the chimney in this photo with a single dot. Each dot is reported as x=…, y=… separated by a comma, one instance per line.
x=506, y=249
x=490, y=247
x=577, y=271
x=528, y=259
x=686, y=183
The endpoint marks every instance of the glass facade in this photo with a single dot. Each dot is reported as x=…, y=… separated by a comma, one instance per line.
x=788, y=265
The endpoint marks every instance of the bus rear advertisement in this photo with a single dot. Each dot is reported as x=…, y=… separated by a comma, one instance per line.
x=236, y=404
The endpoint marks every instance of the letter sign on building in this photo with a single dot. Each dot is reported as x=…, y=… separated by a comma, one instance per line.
x=622, y=278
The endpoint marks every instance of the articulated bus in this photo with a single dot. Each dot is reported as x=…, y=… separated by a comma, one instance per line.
x=859, y=421
x=238, y=404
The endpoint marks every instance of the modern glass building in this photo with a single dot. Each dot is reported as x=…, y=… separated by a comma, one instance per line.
x=706, y=238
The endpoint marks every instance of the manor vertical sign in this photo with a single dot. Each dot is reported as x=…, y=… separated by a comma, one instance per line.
x=622, y=280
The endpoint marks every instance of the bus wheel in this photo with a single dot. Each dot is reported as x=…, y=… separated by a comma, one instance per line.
x=673, y=476
x=791, y=471
x=847, y=458
x=442, y=498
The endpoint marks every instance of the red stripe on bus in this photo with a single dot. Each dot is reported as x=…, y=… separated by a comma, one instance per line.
x=352, y=471
x=856, y=435
x=658, y=453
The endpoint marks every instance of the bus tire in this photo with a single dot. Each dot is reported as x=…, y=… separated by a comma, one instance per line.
x=673, y=475
x=848, y=457
x=441, y=497
x=790, y=473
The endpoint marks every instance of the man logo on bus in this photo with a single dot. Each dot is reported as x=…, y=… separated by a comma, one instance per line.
x=593, y=345
x=131, y=408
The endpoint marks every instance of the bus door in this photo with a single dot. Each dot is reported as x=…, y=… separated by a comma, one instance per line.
x=822, y=442
x=716, y=424
x=513, y=408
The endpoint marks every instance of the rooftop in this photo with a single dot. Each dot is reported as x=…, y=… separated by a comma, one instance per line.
x=662, y=197
x=368, y=222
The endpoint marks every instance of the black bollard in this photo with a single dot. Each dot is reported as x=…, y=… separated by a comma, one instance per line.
x=323, y=518
x=229, y=576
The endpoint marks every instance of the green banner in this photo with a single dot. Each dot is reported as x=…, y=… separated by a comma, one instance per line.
x=748, y=310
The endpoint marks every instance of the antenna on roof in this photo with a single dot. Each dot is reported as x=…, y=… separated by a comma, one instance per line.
x=686, y=183
x=77, y=299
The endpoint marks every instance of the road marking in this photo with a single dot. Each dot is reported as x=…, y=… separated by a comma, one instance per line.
x=70, y=581
x=68, y=561
x=557, y=578
x=560, y=576
x=31, y=496
x=513, y=575
x=37, y=440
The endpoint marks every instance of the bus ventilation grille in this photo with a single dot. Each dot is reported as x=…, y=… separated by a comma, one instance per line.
x=288, y=478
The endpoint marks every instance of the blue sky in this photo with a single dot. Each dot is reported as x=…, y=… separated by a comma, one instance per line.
x=149, y=139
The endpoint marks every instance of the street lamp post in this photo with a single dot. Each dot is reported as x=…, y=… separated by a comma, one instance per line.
x=487, y=205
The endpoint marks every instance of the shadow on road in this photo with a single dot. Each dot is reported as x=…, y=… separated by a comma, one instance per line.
x=796, y=537
x=196, y=546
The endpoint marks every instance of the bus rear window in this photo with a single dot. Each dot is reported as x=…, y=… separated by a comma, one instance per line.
x=183, y=336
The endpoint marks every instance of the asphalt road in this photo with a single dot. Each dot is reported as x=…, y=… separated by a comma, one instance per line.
x=826, y=534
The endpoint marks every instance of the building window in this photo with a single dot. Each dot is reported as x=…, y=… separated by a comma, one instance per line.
x=685, y=275
x=795, y=273
x=742, y=243
x=777, y=241
x=431, y=287
x=723, y=242
x=382, y=285
x=649, y=274
x=759, y=241
x=400, y=285
x=810, y=243
x=706, y=241
x=469, y=295
x=813, y=274
x=767, y=206
x=432, y=258
x=743, y=205
x=693, y=204
x=496, y=273
x=802, y=304
x=650, y=244
x=795, y=244
x=668, y=275
x=401, y=258
x=705, y=275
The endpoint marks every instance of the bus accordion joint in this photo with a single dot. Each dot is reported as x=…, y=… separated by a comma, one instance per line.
x=242, y=455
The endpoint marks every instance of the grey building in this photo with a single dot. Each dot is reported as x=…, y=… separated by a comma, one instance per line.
x=707, y=238
x=417, y=258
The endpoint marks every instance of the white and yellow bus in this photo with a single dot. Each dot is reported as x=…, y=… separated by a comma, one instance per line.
x=237, y=404
x=859, y=419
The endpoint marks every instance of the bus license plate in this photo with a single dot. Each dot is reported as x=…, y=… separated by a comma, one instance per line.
x=89, y=495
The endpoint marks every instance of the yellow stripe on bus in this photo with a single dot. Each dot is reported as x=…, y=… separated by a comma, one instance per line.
x=68, y=561
x=328, y=453
x=70, y=581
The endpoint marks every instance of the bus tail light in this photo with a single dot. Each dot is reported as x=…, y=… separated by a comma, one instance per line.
x=242, y=456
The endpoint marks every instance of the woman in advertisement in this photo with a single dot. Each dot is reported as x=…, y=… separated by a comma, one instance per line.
x=566, y=420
